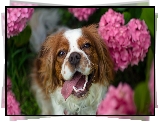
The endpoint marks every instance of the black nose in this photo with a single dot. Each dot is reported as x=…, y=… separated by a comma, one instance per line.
x=74, y=58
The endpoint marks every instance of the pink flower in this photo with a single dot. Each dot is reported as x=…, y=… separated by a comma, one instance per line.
x=141, y=40
x=151, y=87
x=128, y=44
x=13, y=107
x=9, y=85
x=121, y=58
x=112, y=18
x=118, y=101
x=82, y=14
x=17, y=19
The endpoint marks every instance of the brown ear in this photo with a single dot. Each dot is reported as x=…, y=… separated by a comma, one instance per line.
x=105, y=67
x=45, y=64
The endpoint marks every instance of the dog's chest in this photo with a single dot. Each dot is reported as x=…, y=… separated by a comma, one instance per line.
x=78, y=106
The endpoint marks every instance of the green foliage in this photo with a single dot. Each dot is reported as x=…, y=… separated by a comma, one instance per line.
x=135, y=12
x=132, y=75
x=120, y=9
x=150, y=58
x=19, y=57
x=148, y=16
x=127, y=16
x=142, y=98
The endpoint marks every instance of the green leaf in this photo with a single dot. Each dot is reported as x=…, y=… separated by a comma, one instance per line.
x=24, y=59
x=150, y=57
x=148, y=16
x=23, y=37
x=16, y=52
x=142, y=98
x=121, y=9
x=127, y=17
x=135, y=12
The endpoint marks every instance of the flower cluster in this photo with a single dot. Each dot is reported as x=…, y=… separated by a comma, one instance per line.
x=118, y=101
x=82, y=14
x=112, y=18
x=128, y=44
x=12, y=105
x=17, y=19
x=140, y=40
x=151, y=87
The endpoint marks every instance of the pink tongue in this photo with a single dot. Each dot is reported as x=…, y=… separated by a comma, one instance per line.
x=68, y=85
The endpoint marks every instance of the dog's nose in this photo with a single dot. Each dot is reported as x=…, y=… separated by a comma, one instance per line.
x=74, y=58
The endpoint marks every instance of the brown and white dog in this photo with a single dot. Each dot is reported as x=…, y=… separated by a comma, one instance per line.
x=72, y=72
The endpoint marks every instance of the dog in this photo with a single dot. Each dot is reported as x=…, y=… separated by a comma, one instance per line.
x=72, y=72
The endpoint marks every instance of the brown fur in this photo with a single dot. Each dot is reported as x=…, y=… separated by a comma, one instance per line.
x=47, y=66
x=105, y=63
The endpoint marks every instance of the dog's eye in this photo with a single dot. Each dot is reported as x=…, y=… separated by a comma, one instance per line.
x=87, y=45
x=61, y=53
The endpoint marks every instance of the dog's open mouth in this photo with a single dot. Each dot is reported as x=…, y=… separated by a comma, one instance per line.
x=78, y=85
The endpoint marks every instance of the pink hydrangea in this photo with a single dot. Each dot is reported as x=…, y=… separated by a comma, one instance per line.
x=13, y=107
x=151, y=87
x=128, y=44
x=140, y=40
x=118, y=101
x=120, y=57
x=112, y=18
x=17, y=19
x=82, y=14
x=9, y=85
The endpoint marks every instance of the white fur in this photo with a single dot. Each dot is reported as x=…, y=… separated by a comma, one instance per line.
x=73, y=105
x=72, y=36
x=44, y=104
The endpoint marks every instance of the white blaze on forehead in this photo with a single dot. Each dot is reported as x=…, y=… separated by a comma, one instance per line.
x=72, y=36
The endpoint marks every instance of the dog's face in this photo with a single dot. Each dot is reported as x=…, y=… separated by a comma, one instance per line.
x=74, y=60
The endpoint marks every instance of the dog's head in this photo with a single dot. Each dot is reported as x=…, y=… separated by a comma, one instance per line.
x=73, y=60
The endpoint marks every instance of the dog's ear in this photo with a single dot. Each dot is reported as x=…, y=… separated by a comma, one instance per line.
x=105, y=66
x=45, y=64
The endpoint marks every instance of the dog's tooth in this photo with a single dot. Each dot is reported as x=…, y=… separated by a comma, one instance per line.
x=75, y=89
x=85, y=83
